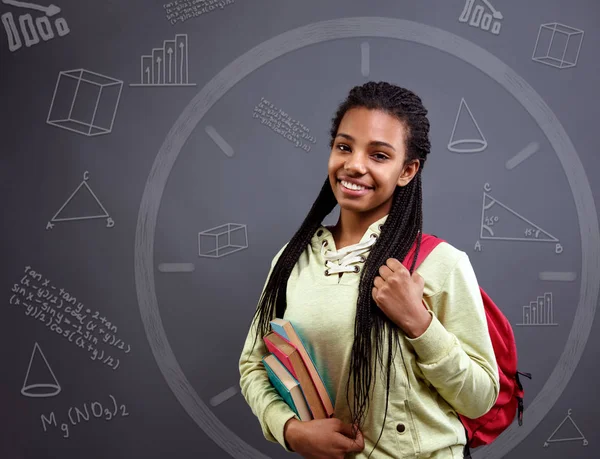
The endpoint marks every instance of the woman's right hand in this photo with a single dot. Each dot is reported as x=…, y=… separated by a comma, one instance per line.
x=322, y=438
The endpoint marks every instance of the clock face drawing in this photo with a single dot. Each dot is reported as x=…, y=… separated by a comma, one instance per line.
x=247, y=156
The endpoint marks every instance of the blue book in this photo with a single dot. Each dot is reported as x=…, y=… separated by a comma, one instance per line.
x=287, y=386
x=285, y=329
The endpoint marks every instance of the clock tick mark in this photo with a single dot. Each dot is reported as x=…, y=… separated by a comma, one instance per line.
x=223, y=396
x=525, y=153
x=220, y=141
x=364, y=58
x=176, y=267
x=558, y=276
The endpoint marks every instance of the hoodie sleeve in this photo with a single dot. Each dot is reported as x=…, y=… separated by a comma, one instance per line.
x=264, y=400
x=455, y=353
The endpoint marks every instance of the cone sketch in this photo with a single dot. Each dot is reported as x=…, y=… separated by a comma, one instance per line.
x=466, y=136
x=39, y=380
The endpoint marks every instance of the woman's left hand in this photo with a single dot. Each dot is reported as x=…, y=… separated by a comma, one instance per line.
x=400, y=295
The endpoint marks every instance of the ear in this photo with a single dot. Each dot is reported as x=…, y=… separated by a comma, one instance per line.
x=408, y=172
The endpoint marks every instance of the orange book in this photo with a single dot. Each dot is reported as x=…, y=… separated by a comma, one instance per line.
x=291, y=358
x=284, y=328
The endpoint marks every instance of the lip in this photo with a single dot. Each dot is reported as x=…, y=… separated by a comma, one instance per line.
x=356, y=182
x=349, y=192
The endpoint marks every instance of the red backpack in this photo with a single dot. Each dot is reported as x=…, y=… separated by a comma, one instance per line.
x=485, y=429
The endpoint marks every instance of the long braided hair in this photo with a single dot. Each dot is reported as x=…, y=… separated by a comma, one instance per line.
x=402, y=228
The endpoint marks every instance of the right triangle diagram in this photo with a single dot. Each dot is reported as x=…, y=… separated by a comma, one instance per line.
x=567, y=430
x=498, y=221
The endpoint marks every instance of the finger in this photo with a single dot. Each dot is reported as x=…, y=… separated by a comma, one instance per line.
x=374, y=295
x=378, y=282
x=355, y=445
x=360, y=440
x=398, y=270
x=395, y=265
x=346, y=429
x=385, y=272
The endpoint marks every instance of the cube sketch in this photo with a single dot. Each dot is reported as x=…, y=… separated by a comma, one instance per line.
x=558, y=45
x=222, y=240
x=85, y=102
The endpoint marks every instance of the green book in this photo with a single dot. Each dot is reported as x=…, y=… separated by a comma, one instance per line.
x=287, y=387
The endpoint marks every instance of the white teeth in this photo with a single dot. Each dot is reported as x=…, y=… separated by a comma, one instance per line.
x=352, y=186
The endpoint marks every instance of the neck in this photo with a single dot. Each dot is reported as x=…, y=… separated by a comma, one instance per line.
x=351, y=226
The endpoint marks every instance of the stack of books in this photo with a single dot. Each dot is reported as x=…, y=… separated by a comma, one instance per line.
x=292, y=372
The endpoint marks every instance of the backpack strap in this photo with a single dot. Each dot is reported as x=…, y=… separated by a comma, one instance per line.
x=467, y=451
x=428, y=243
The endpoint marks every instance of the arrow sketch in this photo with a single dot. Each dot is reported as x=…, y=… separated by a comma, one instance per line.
x=158, y=61
x=49, y=10
x=495, y=13
x=181, y=46
x=170, y=53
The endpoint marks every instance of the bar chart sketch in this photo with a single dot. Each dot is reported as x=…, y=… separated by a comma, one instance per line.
x=166, y=66
x=30, y=30
x=539, y=312
x=485, y=16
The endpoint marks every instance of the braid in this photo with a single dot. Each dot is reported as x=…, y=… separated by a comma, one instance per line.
x=402, y=228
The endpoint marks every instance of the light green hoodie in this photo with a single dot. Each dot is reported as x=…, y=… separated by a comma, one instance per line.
x=449, y=369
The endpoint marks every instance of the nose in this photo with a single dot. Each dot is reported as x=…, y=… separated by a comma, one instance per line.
x=355, y=164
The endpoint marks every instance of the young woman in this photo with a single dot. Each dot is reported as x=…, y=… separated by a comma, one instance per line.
x=401, y=351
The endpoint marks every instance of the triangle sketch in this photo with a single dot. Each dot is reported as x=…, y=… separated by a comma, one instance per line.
x=489, y=218
x=83, y=186
x=551, y=439
x=473, y=140
x=44, y=374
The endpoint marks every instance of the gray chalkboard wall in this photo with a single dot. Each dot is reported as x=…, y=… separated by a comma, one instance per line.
x=155, y=157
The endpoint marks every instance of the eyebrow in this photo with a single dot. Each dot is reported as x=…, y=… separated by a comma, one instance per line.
x=375, y=143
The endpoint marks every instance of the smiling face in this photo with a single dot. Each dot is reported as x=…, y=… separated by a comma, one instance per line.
x=370, y=150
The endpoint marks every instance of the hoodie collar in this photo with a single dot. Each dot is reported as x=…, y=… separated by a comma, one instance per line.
x=324, y=233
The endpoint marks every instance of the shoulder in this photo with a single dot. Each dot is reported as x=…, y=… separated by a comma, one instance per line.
x=278, y=254
x=440, y=264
